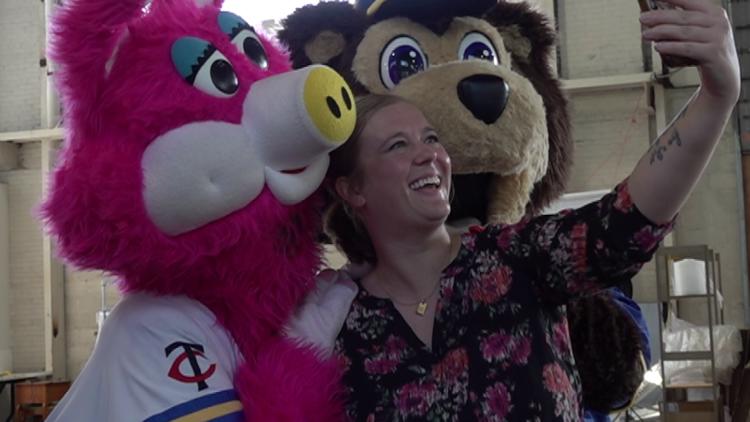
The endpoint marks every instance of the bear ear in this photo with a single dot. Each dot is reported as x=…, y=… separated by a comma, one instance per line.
x=319, y=33
x=527, y=33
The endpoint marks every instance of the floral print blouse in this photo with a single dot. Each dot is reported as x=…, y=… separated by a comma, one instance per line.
x=500, y=347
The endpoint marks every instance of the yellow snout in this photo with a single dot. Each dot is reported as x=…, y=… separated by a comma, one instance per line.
x=330, y=104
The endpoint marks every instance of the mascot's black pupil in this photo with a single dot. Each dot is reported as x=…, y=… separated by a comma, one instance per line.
x=479, y=50
x=404, y=62
x=223, y=77
x=255, y=52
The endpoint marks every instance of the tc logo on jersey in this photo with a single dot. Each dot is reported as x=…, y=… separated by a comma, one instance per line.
x=191, y=352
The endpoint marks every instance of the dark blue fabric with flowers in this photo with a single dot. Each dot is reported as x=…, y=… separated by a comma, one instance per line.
x=501, y=349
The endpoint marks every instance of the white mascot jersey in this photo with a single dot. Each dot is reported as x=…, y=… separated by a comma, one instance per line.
x=158, y=359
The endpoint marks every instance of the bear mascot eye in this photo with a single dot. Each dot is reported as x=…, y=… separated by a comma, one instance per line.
x=204, y=67
x=476, y=46
x=402, y=57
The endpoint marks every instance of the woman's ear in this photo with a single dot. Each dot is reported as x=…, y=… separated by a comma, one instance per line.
x=349, y=192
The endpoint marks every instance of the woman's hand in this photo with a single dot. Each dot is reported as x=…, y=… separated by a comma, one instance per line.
x=701, y=31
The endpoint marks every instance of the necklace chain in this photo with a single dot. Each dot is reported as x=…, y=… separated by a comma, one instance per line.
x=420, y=304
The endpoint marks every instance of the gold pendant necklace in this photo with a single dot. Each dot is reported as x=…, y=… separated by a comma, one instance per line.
x=421, y=305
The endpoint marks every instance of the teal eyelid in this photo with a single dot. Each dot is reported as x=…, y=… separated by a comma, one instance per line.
x=186, y=55
x=230, y=23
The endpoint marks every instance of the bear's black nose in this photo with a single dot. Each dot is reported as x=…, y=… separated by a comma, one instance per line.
x=485, y=96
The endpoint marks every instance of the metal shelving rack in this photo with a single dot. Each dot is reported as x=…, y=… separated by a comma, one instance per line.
x=665, y=257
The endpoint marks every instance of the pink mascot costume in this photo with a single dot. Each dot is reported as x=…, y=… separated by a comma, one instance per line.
x=189, y=172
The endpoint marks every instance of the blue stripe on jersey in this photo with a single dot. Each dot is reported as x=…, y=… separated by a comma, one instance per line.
x=232, y=417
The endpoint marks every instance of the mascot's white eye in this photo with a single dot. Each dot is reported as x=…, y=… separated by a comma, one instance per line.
x=244, y=37
x=204, y=67
x=476, y=46
x=402, y=57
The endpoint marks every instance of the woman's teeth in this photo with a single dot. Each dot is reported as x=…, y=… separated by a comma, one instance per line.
x=427, y=181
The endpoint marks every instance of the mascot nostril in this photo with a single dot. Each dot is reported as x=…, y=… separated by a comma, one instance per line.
x=347, y=98
x=485, y=96
x=334, y=107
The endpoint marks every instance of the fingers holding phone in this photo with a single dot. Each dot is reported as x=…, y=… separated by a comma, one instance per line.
x=668, y=60
x=700, y=32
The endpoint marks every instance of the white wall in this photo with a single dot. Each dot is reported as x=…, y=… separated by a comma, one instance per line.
x=20, y=75
x=611, y=132
x=601, y=37
x=25, y=296
x=82, y=301
x=21, y=49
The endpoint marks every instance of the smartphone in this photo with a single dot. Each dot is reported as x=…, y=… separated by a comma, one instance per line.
x=647, y=5
x=668, y=60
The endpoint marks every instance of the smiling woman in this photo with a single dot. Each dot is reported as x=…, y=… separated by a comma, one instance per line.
x=458, y=324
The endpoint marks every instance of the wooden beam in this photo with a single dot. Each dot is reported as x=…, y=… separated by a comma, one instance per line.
x=35, y=135
x=6, y=353
x=660, y=108
x=607, y=83
x=55, y=356
x=746, y=191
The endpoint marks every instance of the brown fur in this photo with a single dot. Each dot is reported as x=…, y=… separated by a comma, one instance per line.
x=604, y=336
x=325, y=46
x=435, y=14
x=535, y=28
x=526, y=152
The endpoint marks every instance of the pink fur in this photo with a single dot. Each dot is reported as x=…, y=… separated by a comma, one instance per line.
x=312, y=385
x=251, y=268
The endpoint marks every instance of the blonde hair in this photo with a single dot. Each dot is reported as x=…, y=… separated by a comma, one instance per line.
x=341, y=222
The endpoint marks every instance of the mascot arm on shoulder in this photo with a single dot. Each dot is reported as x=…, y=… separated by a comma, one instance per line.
x=190, y=170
